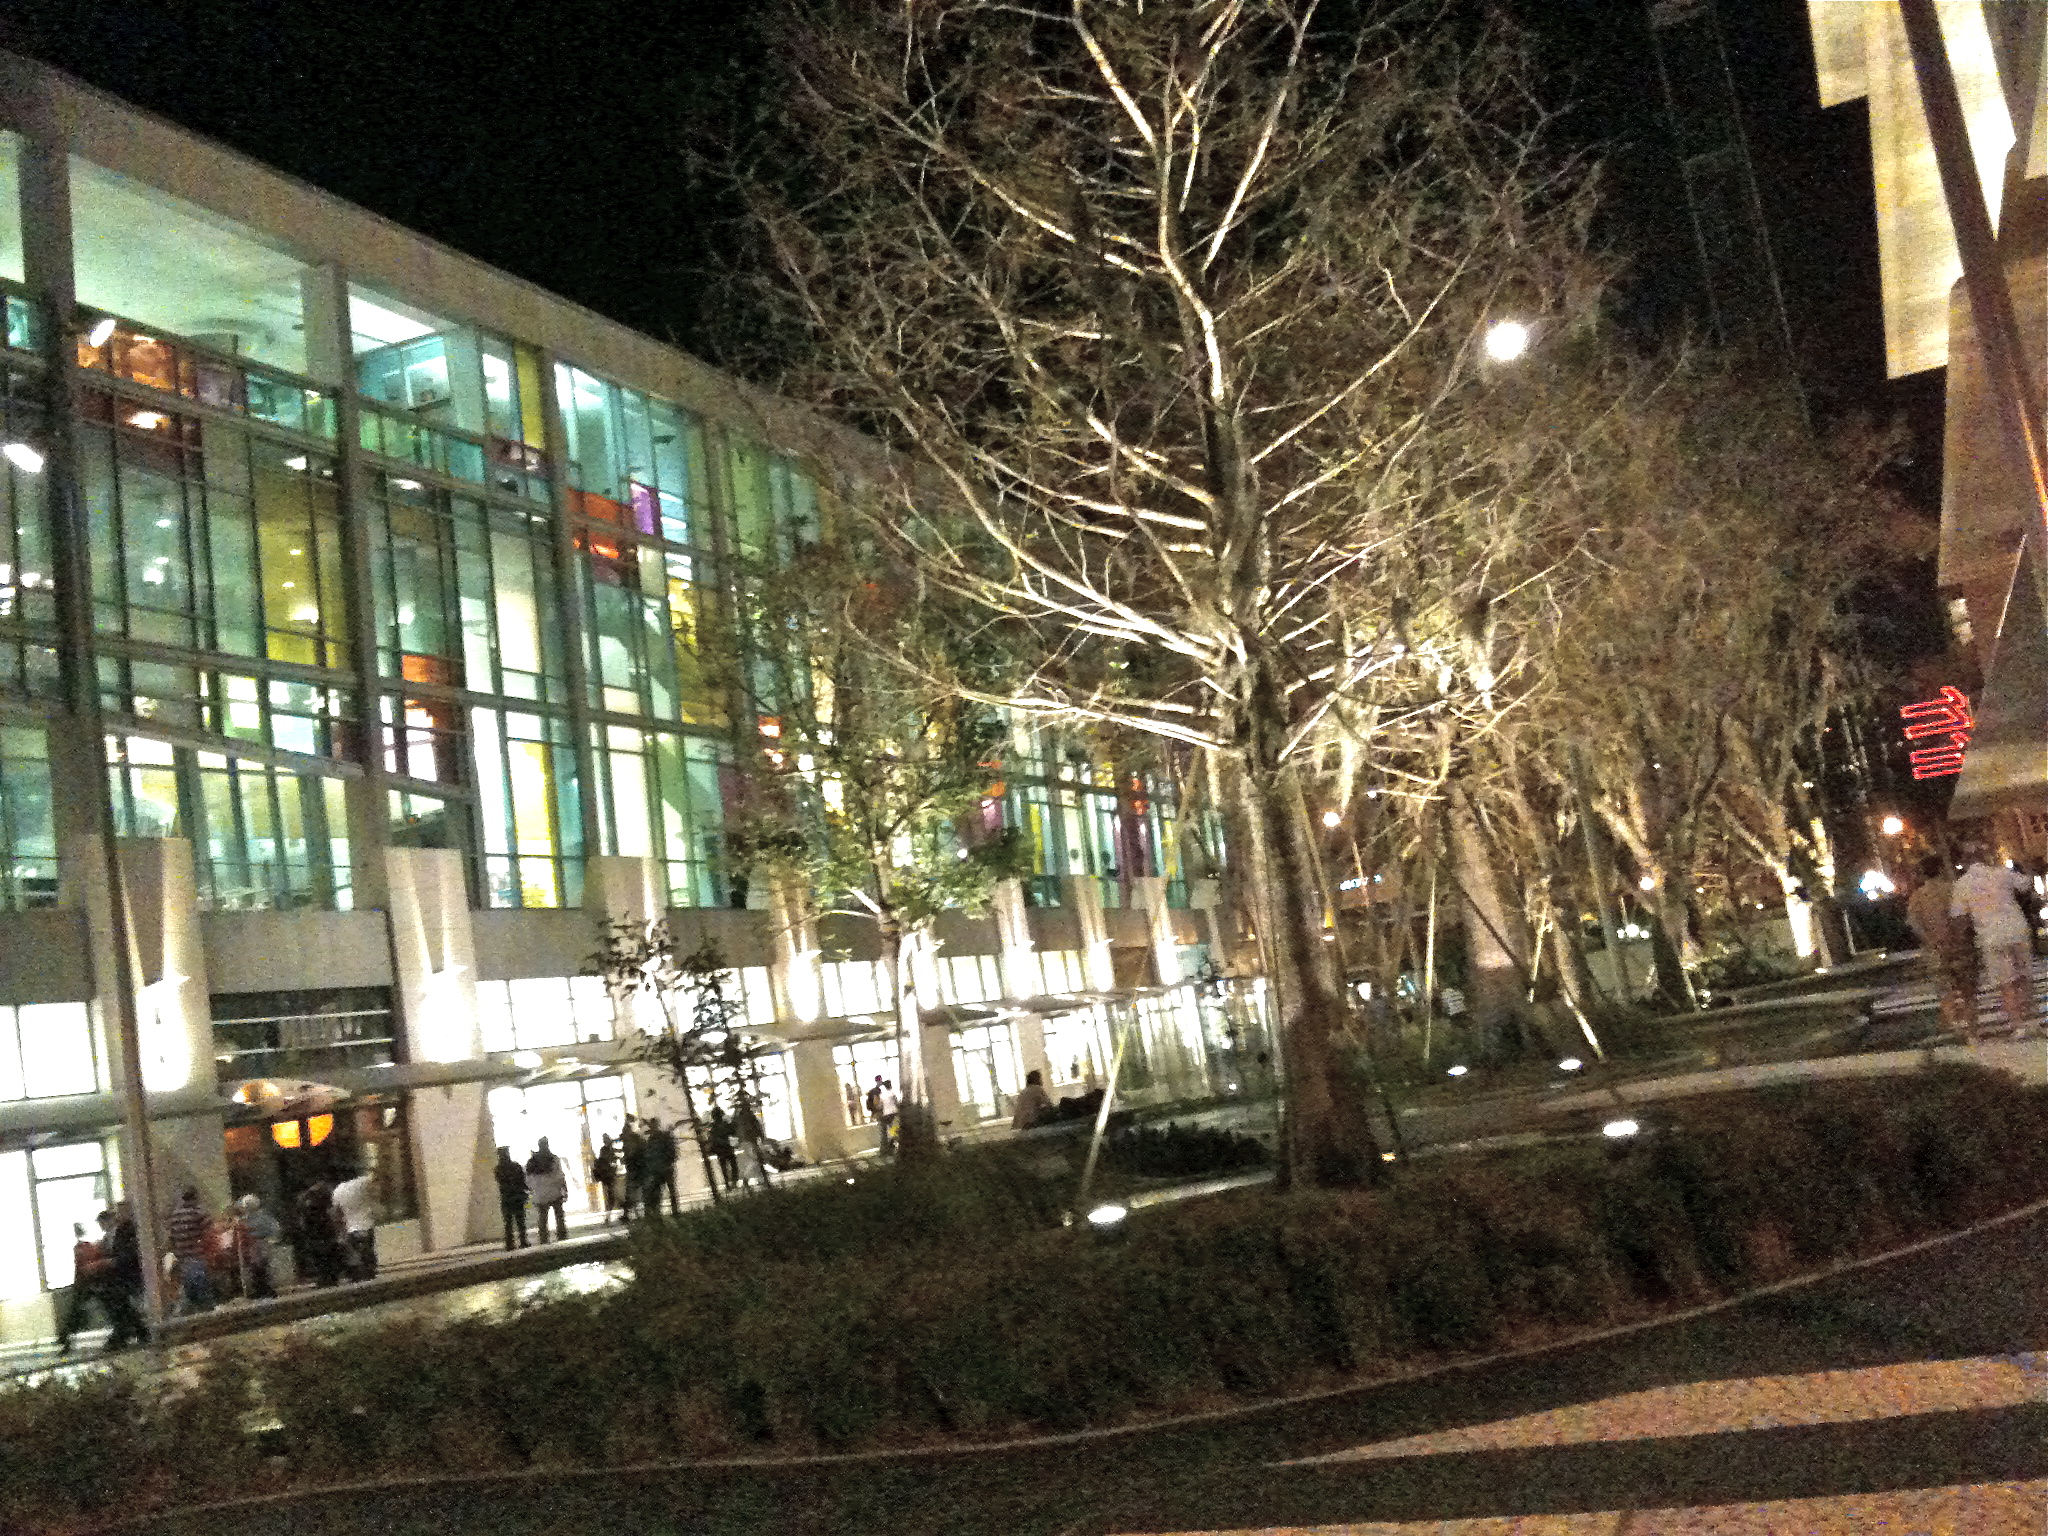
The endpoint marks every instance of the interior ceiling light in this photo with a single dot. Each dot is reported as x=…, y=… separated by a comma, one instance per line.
x=24, y=458
x=101, y=333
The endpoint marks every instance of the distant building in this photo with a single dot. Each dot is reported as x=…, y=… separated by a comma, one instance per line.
x=1994, y=549
x=361, y=577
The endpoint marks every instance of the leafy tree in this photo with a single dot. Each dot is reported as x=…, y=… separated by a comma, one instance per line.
x=868, y=786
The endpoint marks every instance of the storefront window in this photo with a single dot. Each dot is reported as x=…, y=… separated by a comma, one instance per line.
x=43, y=1194
x=575, y=1117
x=537, y=1012
x=278, y=1152
x=301, y=1035
x=985, y=1067
x=858, y=1064
x=1078, y=1048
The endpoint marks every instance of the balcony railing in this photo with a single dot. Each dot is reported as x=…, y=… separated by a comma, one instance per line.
x=273, y=885
x=1043, y=891
x=28, y=882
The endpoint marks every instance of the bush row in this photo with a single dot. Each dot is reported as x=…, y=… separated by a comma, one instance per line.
x=926, y=1303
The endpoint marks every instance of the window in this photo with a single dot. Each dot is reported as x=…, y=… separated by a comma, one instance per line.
x=167, y=263
x=44, y=1193
x=529, y=1015
x=574, y=1116
x=663, y=798
x=854, y=987
x=985, y=1067
x=28, y=839
x=49, y=1051
x=301, y=1034
x=858, y=1065
x=10, y=206
x=969, y=978
x=527, y=804
x=768, y=1082
x=1077, y=1047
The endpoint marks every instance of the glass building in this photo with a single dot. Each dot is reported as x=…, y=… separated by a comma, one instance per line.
x=351, y=596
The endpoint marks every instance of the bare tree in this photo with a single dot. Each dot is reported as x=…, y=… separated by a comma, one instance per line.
x=1174, y=309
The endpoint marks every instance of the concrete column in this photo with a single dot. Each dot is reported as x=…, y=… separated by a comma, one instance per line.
x=1083, y=897
x=175, y=1017
x=433, y=954
x=1017, y=952
x=796, y=975
x=820, y=1104
x=622, y=888
x=323, y=310
x=1148, y=893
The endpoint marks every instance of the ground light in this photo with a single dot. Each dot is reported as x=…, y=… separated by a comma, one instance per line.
x=1106, y=1216
x=1459, y=1071
x=1570, y=1064
x=1619, y=1130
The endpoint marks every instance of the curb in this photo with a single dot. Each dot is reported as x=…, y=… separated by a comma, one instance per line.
x=1082, y=1436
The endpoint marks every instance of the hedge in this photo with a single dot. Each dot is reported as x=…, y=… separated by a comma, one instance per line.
x=922, y=1304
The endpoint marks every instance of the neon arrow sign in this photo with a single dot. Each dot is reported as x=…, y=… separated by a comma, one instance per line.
x=1944, y=723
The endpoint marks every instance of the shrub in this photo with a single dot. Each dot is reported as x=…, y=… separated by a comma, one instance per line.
x=946, y=1300
x=1175, y=1150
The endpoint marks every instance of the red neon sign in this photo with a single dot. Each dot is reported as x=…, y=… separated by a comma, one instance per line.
x=1944, y=723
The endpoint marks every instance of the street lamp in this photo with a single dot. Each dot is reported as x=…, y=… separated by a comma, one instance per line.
x=1892, y=826
x=1333, y=819
x=1506, y=340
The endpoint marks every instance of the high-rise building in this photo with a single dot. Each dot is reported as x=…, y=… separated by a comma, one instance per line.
x=1994, y=544
x=347, y=682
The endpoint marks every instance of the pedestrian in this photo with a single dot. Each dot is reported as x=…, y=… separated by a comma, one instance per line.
x=189, y=1236
x=854, y=1114
x=511, y=1196
x=632, y=1166
x=888, y=1105
x=1989, y=895
x=87, y=1264
x=120, y=1289
x=255, y=1230
x=355, y=1200
x=605, y=1167
x=318, y=1246
x=872, y=1102
x=547, y=1182
x=661, y=1168
x=746, y=1130
x=718, y=1142
x=1945, y=947
x=1033, y=1104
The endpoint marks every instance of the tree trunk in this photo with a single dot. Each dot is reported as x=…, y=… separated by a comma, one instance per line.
x=916, y=1130
x=1327, y=1137
x=1494, y=974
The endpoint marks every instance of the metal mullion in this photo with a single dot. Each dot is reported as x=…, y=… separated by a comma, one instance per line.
x=570, y=611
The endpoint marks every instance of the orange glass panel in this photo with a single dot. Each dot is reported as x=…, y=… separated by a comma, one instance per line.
x=321, y=1126
x=285, y=1133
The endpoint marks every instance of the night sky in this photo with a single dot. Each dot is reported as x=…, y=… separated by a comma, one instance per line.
x=547, y=141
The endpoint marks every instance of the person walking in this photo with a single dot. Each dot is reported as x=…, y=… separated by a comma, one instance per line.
x=547, y=1183
x=888, y=1105
x=605, y=1167
x=1032, y=1103
x=87, y=1264
x=255, y=1230
x=633, y=1167
x=511, y=1196
x=1989, y=895
x=718, y=1142
x=120, y=1281
x=355, y=1201
x=320, y=1252
x=661, y=1168
x=746, y=1130
x=186, y=1230
x=1945, y=947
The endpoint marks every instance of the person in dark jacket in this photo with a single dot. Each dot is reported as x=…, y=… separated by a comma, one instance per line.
x=319, y=1249
x=121, y=1294
x=718, y=1142
x=605, y=1169
x=511, y=1195
x=661, y=1168
x=633, y=1167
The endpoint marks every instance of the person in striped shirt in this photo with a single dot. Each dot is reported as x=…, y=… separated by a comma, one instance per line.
x=190, y=1234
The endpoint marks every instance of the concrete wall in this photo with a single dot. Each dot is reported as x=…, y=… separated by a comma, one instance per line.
x=276, y=951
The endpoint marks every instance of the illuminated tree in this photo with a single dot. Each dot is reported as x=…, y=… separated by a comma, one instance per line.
x=1174, y=313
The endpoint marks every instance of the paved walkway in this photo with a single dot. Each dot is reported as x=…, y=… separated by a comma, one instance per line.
x=1908, y=1397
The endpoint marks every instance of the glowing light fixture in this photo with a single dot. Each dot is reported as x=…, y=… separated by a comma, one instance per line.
x=101, y=333
x=1891, y=826
x=1333, y=818
x=1506, y=340
x=1647, y=883
x=298, y=463
x=1106, y=1215
x=24, y=458
x=1619, y=1130
x=1459, y=1071
x=1570, y=1064
x=527, y=1059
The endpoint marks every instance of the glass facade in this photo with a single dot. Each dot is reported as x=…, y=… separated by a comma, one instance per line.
x=50, y=1051
x=43, y=1194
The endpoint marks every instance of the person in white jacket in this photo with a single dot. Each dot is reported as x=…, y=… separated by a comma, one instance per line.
x=1989, y=895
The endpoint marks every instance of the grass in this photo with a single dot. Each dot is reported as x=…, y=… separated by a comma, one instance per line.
x=922, y=1304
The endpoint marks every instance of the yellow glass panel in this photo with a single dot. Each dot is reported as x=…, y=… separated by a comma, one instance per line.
x=320, y=1127
x=286, y=1134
